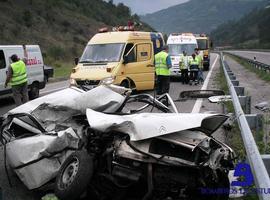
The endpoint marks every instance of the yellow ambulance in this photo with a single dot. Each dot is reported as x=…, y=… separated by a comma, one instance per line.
x=122, y=57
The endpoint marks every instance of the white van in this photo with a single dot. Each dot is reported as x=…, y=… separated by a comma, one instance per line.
x=179, y=42
x=35, y=68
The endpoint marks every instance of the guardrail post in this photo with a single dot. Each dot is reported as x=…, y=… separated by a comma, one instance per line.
x=232, y=77
x=240, y=91
x=235, y=82
x=255, y=121
x=245, y=102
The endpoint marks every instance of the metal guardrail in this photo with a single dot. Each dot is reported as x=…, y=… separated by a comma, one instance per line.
x=254, y=63
x=259, y=171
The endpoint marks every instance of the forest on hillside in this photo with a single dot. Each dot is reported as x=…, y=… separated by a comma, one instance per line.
x=61, y=28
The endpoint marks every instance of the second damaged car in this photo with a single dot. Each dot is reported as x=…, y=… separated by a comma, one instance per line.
x=105, y=151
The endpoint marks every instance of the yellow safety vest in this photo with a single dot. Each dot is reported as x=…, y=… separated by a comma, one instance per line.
x=183, y=62
x=194, y=62
x=19, y=75
x=161, y=64
x=199, y=58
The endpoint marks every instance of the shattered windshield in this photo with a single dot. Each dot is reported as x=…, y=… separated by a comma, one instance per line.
x=95, y=53
x=176, y=49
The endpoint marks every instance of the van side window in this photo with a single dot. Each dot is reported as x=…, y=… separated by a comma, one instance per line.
x=144, y=52
x=128, y=47
x=2, y=60
x=132, y=54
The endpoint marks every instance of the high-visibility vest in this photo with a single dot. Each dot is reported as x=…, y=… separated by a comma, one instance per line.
x=161, y=64
x=19, y=75
x=193, y=62
x=183, y=62
x=199, y=58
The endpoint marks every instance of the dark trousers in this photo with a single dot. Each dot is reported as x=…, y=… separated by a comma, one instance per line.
x=163, y=84
x=184, y=76
x=194, y=75
x=20, y=93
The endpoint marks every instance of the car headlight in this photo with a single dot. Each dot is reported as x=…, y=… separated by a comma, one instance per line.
x=107, y=81
x=73, y=82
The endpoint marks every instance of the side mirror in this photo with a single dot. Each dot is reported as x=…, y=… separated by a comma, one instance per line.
x=211, y=44
x=125, y=59
x=76, y=60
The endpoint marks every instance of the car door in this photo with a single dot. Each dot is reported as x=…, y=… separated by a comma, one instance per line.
x=140, y=65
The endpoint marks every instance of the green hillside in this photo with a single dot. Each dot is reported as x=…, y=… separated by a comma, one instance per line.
x=199, y=16
x=251, y=31
x=61, y=27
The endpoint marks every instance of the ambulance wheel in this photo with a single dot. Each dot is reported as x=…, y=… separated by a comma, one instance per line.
x=34, y=91
x=74, y=176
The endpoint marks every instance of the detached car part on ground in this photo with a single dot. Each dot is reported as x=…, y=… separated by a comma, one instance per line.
x=91, y=143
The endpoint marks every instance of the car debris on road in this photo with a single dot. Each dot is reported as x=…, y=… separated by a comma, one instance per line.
x=89, y=141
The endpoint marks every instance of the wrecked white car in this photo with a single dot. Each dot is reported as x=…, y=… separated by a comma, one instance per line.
x=90, y=144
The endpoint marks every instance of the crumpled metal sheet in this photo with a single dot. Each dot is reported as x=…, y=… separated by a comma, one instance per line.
x=218, y=99
x=37, y=159
x=102, y=98
x=147, y=125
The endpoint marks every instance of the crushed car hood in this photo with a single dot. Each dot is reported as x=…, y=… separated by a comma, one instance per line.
x=101, y=98
x=148, y=125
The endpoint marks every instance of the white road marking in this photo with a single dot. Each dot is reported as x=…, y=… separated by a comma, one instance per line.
x=198, y=103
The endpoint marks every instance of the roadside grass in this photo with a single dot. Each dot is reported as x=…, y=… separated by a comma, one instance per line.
x=62, y=69
x=260, y=73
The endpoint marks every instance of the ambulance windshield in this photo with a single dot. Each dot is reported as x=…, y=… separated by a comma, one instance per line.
x=99, y=53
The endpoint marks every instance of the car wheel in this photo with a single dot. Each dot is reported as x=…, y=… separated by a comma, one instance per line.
x=74, y=176
x=34, y=91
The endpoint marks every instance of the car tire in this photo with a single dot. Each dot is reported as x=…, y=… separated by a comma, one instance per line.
x=34, y=91
x=74, y=176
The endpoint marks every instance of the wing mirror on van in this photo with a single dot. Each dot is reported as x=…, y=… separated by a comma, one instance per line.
x=76, y=60
x=125, y=59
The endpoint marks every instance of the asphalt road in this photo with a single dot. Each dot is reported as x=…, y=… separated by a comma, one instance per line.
x=20, y=192
x=263, y=57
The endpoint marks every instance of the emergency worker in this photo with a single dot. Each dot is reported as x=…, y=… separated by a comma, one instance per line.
x=200, y=61
x=162, y=67
x=194, y=68
x=17, y=77
x=184, y=65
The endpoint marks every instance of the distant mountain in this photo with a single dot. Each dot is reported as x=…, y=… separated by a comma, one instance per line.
x=200, y=16
x=61, y=27
x=251, y=31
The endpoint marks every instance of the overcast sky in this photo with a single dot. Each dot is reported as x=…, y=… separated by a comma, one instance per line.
x=148, y=6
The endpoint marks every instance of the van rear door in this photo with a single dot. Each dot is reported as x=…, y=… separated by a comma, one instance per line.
x=35, y=65
x=3, y=69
